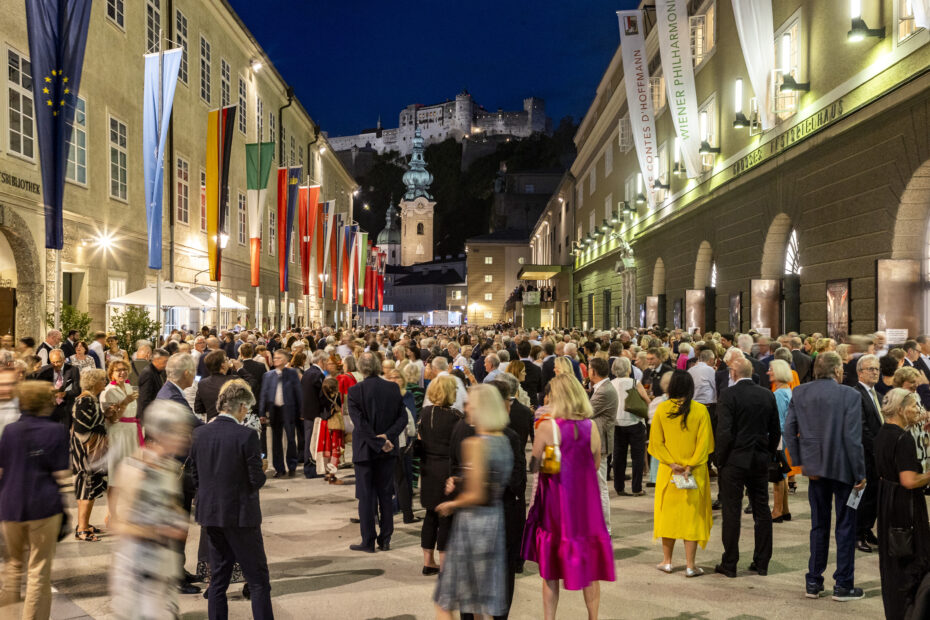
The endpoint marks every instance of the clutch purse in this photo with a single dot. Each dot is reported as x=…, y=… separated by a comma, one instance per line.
x=684, y=483
x=552, y=455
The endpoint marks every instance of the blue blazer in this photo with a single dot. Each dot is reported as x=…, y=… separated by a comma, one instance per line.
x=823, y=431
x=376, y=408
x=226, y=464
x=170, y=391
x=293, y=400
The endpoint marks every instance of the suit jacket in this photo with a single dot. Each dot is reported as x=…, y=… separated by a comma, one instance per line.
x=150, y=382
x=759, y=369
x=748, y=429
x=135, y=370
x=655, y=376
x=67, y=348
x=311, y=385
x=376, y=408
x=293, y=401
x=921, y=365
x=802, y=364
x=201, y=367
x=850, y=374
x=532, y=384
x=605, y=402
x=871, y=423
x=521, y=421
x=170, y=391
x=208, y=390
x=722, y=378
x=548, y=371
x=226, y=463
x=823, y=431
x=71, y=386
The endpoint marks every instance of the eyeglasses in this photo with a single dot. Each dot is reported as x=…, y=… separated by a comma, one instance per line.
x=871, y=368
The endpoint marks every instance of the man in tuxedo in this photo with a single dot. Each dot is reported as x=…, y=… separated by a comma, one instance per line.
x=208, y=389
x=655, y=369
x=867, y=368
x=823, y=435
x=311, y=387
x=281, y=403
x=802, y=361
x=226, y=462
x=604, y=402
x=532, y=383
x=378, y=413
x=67, y=381
x=151, y=380
x=747, y=435
x=67, y=346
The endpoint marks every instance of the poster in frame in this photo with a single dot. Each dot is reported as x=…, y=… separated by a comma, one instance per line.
x=838, y=309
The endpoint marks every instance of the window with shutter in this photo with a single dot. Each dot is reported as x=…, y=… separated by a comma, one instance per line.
x=626, y=134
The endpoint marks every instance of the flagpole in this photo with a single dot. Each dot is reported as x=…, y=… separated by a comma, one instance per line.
x=161, y=109
x=58, y=289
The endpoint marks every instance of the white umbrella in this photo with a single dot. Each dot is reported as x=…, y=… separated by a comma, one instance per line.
x=208, y=298
x=172, y=296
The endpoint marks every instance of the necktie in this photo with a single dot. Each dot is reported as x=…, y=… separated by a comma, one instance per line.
x=878, y=408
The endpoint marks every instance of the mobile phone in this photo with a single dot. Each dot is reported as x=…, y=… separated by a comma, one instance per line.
x=457, y=367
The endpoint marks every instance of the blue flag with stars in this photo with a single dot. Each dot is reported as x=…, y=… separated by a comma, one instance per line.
x=57, y=32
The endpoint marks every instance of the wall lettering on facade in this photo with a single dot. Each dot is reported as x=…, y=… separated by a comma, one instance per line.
x=14, y=181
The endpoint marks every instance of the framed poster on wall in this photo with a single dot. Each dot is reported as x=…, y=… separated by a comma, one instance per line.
x=897, y=286
x=838, y=309
x=736, y=301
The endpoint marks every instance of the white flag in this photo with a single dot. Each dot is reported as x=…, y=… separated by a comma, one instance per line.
x=754, y=28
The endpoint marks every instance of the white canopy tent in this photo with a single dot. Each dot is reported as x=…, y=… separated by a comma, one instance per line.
x=208, y=297
x=172, y=296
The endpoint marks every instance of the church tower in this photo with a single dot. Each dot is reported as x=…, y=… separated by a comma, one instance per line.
x=389, y=237
x=416, y=209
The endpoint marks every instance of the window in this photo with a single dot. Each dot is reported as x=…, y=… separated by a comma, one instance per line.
x=456, y=294
x=292, y=155
x=608, y=159
x=713, y=275
x=116, y=287
x=115, y=12
x=272, y=231
x=488, y=278
x=592, y=180
x=488, y=260
x=629, y=191
x=300, y=156
x=661, y=171
x=793, y=255
x=906, y=23
x=183, y=191
x=488, y=314
x=489, y=296
x=529, y=188
x=243, y=97
x=626, y=134
x=203, y=200
x=707, y=113
x=579, y=195
x=243, y=227
x=609, y=207
x=272, y=135
x=77, y=148
x=152, y=24
x=786, y=60
x=657, y=86
x=22, y=114
x=592, y=222
x=703, y=33
x=224, y=83
x=204, y=70
x=118, y=154
x=259, y=117
x=388, y=307
x=419, y=228
x=180, y=26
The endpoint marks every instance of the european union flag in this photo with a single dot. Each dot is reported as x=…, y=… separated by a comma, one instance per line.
x=57, y=32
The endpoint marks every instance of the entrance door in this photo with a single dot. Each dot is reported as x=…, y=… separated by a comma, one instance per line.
x=7, y=310
x=590, y=311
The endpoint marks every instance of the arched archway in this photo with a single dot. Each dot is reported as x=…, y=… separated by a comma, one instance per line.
x=911, y=241
x=703, y=266
x=29, y=289
x=658, y=278
x=773, y=251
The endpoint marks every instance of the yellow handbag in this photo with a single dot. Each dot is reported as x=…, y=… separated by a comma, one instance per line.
x=552, y=455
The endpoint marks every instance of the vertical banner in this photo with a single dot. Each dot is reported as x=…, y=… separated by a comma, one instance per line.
x=329, y=216
x=362, y=265
x=678, y=67
x=382, y=262
x=348, y=264
x=639, y=97
x=57, y=31
x=306, y=218
x=258, y=166
x=288, y=200
x=156, y=116
x=318, y=248
x=371, y=279
x=755, y=28
x=220, y=126
x=335, y=252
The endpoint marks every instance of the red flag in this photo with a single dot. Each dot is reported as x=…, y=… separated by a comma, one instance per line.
x=382, y=260
x=371, y=282
x=335, y=248
x=306, y=214
x=321, y=210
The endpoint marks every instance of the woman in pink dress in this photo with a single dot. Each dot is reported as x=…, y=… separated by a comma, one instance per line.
x=565, y=530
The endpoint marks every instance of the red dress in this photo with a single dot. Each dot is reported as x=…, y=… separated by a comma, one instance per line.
x=333, y=441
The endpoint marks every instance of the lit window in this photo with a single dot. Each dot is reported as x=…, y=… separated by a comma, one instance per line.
x=625, y=131
x=224, y=83
x=488, y=278
x=793, y=255
x=152, y=24
x=77, y=148
x=785, y=104
x=205, y=70
x=183, y=191
x=180, y=23
x=203, y=200
x=713, y=275
x=657, y=85
x=906, y=24
x=243, y=98
x=707, y=115
x=243, y=231
x=489, y=297
x=456, y=294
x=115, y=12
x=488, y=260
x=489, y=315
x=529, y=188
x=22, y=114
x=703, y=33
x=118, y=155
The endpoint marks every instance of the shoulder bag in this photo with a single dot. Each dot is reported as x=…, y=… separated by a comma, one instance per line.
x=901, y=539
x=336, y=421
x=635, y=404
x=552, y=455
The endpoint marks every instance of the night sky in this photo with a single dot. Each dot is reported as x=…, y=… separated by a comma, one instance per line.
x=351, y=60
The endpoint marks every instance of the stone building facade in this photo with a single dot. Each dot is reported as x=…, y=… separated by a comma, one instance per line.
x=104, y=215
x=494, y=260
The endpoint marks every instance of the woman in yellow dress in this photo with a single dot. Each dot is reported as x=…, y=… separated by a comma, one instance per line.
x=681, y=438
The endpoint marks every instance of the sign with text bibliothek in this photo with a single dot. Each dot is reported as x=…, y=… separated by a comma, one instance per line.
x=639, y=97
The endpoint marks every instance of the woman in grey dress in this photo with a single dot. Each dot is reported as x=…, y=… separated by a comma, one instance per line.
x=473, y=577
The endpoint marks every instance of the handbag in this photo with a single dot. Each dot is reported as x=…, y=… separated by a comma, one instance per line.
x=778, y=467
x=635, y=404
x=336, y=421
x=901, y=539
x=552, y=455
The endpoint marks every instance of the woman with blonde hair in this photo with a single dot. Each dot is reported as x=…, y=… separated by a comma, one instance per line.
x=473, y=578
x=124, y=429
x=518, y=370
x=563, y=366
x=566, y=520
x=780, y=378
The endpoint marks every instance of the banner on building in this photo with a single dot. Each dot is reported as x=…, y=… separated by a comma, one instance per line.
x=57, y=31
x=382, y=263
x=349, y=252
x=288, y=190
x=319, y=246
x=361, y=269
x=639, y=97
x=306, y=222
x=371, y=280
x=678, y=69
x=329, y=217
x=754, y=25
x=338, y=238
x=258, y=158
x=220, y=127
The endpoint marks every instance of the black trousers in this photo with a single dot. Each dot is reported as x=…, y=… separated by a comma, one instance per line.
x=435, y=531
x=712, y=411
x=309, y=463
x=403, y=486
x=281, y=423
x=868, y=505
x=229, y=545
x=732, y=479
x=374, y=486
x=632, y=438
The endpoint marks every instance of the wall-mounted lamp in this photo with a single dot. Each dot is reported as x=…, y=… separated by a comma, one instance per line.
x=660, y=185
x=256, y=65
x=789, y=85
x=322, y=150
x=740, y=121
x=605, y=226
x=860, y=30
x=706, y=148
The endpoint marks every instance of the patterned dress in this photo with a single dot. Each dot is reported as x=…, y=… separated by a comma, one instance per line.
x=87, y=363
x=89, y=448
x=474, y=576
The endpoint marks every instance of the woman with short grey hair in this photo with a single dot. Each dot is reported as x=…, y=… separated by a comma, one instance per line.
x=631, y=432
x=234, y=396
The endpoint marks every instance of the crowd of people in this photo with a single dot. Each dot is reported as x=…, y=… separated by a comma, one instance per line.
x=507, y=438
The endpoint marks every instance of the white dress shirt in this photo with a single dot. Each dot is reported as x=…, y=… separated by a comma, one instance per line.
x=279, y=391
x=705, y=383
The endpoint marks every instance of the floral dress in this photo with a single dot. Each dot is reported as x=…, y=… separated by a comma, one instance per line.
x=88, y=448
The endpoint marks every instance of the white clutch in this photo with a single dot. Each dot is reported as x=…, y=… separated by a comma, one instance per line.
x=684, y=483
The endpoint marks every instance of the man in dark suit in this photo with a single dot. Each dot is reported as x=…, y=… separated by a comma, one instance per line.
x=923, y=362
x=548, y=366
x=723, y=378
x=67, y=381
x=281, y=403
x=378, y=413
x=67, y=345
x=532, y=383
x=868, y=372
x=744, y=342
x=213, y=344
x=151, y=379
x=656, y=368
x=208, y=389
x=311, y=386
x=521, y=418
x=253, y=371
x=748, y=432
x=823, y=435
x=802, y=361
x=226, y=462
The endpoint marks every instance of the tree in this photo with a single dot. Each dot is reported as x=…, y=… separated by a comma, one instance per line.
x=133, y=324
x=71, y=318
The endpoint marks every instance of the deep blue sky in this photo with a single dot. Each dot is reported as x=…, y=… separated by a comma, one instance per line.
x=350, y=60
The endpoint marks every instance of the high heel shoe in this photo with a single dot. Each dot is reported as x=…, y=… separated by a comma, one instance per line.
x=782, y=518
x=665, y=568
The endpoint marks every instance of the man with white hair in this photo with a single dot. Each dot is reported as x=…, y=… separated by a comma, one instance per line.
x=571, y=352
x=492, y=365
x=744, y=342
x=440, y=367
x=52, y=341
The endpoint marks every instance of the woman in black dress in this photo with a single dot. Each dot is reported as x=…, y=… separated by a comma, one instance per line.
x=89, y=451
x=901, y=501
x=435, y=432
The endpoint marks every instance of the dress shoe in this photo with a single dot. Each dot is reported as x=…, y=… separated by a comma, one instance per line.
x=847, y=594
x=715, y=505
x=863, y=546
x=624, y=494
x=813, y=590
x=430, y=570
x=188, y=588
x=384, y=546
x=362, y=548
x=762, y=572
x=638, y=493
x=413, y=519
x=292, y=473
x=246, y=593
x=694, y=572
x=870, y=538
x=189, y=578
x=726, y=572
x=782, y=518
x=354, y=520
